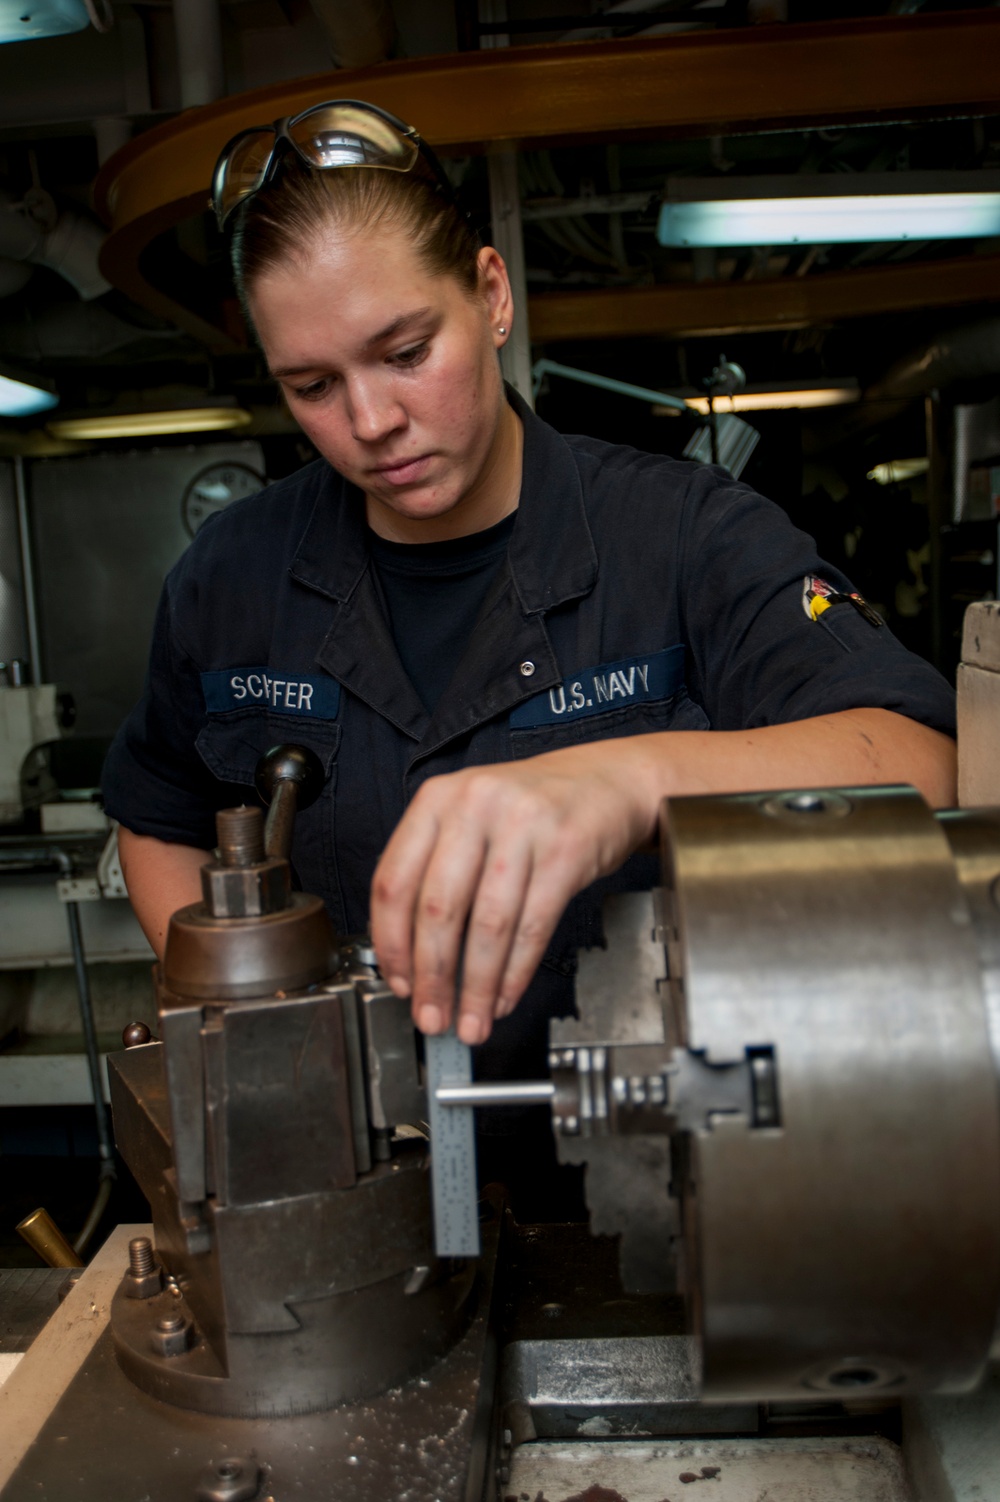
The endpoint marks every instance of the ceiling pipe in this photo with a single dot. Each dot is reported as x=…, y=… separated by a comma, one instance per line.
x=70, y=246
x=360, y=32
x=617, y=15
x=77, y=331
x=198, y=31
x=965, y=353
x=970, y=351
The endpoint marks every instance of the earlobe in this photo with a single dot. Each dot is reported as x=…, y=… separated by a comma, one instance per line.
x=496, y=288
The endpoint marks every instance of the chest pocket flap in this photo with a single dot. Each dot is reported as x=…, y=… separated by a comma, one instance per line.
x=250, y=710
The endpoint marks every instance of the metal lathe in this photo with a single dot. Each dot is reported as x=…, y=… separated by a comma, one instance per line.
x=783, y=1083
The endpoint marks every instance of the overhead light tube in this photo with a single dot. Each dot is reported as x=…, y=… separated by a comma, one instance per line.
x=150, y=424
x=859, y=208
x=762, y=399
x=21, y=398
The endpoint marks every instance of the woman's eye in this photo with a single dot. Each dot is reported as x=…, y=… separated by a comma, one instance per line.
x=313, y=391
x=411, y=356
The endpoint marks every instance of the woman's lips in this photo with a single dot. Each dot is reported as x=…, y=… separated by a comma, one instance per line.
x=406, y=473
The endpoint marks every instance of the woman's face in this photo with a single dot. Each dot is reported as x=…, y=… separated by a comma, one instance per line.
x=391, y=372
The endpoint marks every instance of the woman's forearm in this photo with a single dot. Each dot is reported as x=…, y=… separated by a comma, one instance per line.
x=160, y=878
x=857, y=746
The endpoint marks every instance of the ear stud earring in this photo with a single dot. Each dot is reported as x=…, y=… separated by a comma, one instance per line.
x=501, y=330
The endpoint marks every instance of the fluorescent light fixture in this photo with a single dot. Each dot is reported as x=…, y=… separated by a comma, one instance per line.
x=26, y=20
x=898, y=470
x=858, y=208
x=150, y=424
x=20, y=398
x=792, y=394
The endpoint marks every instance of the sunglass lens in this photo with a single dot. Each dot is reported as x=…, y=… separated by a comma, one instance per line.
x=244, y=169
x=344, y=136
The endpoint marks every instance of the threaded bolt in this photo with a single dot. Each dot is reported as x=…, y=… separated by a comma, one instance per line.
x=140, y=1256
x=171, y=1323
x=240, y=832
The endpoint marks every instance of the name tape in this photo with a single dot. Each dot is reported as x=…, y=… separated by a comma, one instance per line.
x=264, y=688
x=614, y=685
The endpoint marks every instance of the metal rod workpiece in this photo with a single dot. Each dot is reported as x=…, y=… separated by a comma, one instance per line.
x=42, y=1234
x=514, y=1093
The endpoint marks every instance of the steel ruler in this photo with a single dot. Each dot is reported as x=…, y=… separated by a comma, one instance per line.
x=453, y=1149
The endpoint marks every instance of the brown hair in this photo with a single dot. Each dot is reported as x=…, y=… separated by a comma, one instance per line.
x=279, y=223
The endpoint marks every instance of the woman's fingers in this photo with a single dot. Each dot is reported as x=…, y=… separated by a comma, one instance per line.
x=488, y=858
x=447, y=889
x=395, y=888
x=493, y=924
x=546, y=899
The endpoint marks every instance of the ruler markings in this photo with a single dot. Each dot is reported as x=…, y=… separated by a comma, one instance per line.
x=453, y=1150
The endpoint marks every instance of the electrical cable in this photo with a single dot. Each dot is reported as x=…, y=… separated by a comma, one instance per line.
x=105, y=1146
x=96, y=1210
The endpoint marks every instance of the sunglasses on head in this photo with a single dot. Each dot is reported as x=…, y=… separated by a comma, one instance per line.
x=340, y=133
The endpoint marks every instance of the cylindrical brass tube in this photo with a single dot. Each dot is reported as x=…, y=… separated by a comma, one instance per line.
x=44, y=1237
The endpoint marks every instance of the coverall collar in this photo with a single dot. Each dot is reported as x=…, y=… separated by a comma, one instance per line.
x=551, y=560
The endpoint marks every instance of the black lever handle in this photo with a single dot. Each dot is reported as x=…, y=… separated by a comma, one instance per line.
x=287, y=778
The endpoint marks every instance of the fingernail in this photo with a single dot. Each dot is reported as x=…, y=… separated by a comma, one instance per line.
x=471, y=1029
x=429, y=1020
x=398, y=985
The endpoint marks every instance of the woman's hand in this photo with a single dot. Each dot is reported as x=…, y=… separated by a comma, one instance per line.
x=493, y=855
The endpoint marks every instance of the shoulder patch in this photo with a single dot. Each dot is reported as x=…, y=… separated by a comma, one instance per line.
x=818, y=596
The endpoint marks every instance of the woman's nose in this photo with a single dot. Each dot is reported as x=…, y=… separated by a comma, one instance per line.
x=374, y=413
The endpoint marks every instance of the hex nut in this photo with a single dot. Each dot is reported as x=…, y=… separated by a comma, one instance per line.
x=145, y=1285
x=172, y=1335
x=234, y=1478
x=246, y=891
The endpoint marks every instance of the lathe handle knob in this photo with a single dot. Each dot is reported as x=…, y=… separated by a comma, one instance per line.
x=289, y=778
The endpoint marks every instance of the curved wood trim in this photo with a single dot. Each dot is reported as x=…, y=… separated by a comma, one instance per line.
x=697, y=84
x=784, y=303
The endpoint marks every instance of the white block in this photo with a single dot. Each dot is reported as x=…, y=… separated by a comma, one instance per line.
x=978, y=737
x=981, y=635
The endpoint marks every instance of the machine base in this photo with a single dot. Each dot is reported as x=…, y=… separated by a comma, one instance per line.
x=428, y=1440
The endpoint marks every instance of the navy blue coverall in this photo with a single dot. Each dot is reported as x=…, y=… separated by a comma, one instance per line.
x=639, y=594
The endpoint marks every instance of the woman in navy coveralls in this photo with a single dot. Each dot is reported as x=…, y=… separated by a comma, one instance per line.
x=506, y=646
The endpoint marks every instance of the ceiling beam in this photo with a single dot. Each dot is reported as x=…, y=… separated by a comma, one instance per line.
x=693, y=308
x=723, y=82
